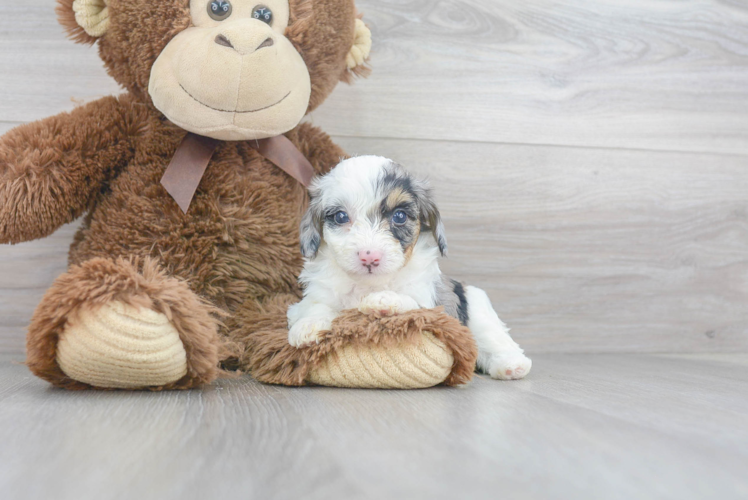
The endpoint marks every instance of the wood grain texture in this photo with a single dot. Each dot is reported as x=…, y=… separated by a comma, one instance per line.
x=581, y=250
x=634, y=239
x=665, y=75
x=581, y=426
x=26, y=271
x=642, y=74
x=594, y=249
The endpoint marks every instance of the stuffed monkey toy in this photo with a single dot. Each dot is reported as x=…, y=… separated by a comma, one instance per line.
x=191, y=184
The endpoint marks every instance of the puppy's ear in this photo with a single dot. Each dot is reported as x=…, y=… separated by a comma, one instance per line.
x=310, y=231
x=429, y=214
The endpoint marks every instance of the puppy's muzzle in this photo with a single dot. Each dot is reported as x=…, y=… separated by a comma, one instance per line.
x=370, y=258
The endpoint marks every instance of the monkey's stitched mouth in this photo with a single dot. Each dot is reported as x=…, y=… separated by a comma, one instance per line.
x=235, y=111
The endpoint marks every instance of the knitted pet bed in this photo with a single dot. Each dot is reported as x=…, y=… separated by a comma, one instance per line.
x=413, y=350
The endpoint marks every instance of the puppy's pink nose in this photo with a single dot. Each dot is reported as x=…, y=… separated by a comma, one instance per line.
x=370, y=258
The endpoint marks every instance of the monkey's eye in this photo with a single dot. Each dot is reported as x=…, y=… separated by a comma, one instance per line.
x=219, y=9
x=263, y=14
x=399, y=217
x=341, y=217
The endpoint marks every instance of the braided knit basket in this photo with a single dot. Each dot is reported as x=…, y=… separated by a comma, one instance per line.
x=413, y=350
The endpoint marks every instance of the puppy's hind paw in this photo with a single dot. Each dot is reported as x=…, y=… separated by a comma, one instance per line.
x=308, y=330
x=512, y=366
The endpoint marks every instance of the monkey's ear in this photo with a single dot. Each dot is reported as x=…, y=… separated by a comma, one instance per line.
x=84, y=20
x=359, y=53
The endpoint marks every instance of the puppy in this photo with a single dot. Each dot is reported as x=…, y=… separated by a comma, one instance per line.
x=371, y=240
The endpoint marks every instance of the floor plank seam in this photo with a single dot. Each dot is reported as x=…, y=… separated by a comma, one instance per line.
x=543, y=145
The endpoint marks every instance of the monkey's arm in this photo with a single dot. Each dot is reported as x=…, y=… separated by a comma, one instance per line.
x=51, y=170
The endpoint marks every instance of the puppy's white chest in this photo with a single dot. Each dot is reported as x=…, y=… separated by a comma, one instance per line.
x=422, y=292
x=358, y=291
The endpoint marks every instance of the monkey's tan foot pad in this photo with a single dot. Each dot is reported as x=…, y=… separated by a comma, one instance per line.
x=121, y=347
x=403, y=366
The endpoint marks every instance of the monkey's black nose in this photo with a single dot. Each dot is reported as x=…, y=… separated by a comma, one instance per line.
x=222, y=40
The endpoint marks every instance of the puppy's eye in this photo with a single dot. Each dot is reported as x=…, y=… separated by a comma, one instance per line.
x=341, y=217
x=263, y=14
x=399, y=217
x=219, y=9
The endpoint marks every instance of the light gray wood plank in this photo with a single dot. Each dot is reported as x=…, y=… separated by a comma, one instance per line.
x=41, y=72
x=571, y=443
x=676, y=390
x=636, y=74
x=580, y=426
x=229, y=439
x=644, y=75
x=581, y=250
x=26, y=271
x=6, y=126
x=594, y=250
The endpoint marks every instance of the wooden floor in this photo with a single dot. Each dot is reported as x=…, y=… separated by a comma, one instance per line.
x=581, y=426
x=590, y=159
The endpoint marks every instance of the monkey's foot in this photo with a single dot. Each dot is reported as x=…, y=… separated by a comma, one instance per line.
x=123, y=325
x=123, y=347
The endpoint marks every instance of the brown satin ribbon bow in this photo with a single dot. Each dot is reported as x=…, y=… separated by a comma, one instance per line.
x=188, y=164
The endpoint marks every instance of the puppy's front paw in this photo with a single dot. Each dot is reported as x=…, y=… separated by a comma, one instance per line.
x=387, y=303
x=509, y=366
x=307, y=330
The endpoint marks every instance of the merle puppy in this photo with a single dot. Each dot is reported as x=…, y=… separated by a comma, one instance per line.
x=372, y=238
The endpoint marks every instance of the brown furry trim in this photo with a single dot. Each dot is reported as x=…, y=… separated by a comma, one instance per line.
x=318, y=147
x=323, y=32
x=66, y=17
x=99, y=281
x=138, y=32
x=301, y=18
x=271, y=359
x=349, y=76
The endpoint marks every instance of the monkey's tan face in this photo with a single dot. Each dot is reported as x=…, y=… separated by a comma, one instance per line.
x=233, y=75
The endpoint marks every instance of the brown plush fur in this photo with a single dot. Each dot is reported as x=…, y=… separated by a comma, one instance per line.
x=51, y=171
x=236, y=248
x=262, y=328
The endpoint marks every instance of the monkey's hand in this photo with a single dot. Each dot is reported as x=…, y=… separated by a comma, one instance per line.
x=50, y=170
